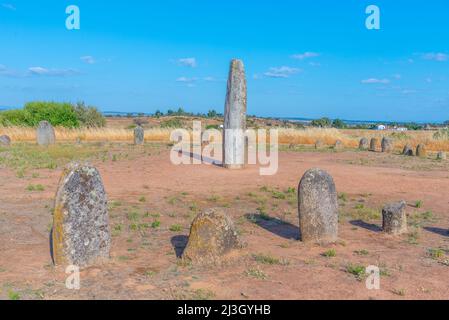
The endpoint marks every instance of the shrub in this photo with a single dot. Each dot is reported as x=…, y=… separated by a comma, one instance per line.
x=172, y=123
x=58, y=114
x=322, y=123
x=89, y=116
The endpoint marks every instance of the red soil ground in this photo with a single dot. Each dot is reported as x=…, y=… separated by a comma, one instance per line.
x=144, y=264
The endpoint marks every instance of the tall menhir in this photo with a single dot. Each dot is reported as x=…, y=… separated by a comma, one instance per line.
x=235, y=117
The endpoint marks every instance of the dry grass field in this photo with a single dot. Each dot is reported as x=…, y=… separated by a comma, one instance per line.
x=121, y=130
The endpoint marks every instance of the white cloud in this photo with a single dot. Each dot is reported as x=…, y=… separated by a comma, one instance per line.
x=305, y=55
x=40, y=71
x=4, y=71
x=88, y=59
x=186, y=80
x=9, y=6
x=188, y=62
x=375, y=81
x=281, y=72
x=436, y=56
x=397, y=76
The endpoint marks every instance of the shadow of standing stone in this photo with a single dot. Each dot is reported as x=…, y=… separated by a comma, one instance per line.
x=45, y=134
x=318, y=207
x=80, y=234
x=212, y=236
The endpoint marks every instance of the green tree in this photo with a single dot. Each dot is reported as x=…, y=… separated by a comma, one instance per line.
x=322, y=123
x=89, y=116
x=339, y=124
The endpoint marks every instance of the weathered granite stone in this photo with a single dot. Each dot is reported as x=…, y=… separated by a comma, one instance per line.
x=80, y=234
x=421, y=151
x=373, y=144
x=364, y=144
x=5, y=141
x=319, y=144
x=395, y=218
x=139, y=135
x=387, y=145
x=45, y=134
x=212, y=235
x=441, y=156
x=235, y=117
x=408, y=151
x=318, y=207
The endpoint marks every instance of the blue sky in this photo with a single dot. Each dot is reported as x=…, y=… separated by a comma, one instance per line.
x=302, y=58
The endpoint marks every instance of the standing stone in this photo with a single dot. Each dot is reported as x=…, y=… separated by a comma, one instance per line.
x=408, y=151
x=139, y=136
x=235, y=117
x=5, y=141
x=212, y=236
x=319, y=144
x=441, y=155
x=338, y=145
x=395, y=218
x=364, y=144
x=387, y=145
x=373, y=144
x=45, y=134
x=80, y=234
x=318, y=207
x=421, y=151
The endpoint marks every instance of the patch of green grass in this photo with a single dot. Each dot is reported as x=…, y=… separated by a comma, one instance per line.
x=436, y=253
x=12, y=295
x=37, y=187
x=278, y=195
x=202, y=295
x=331, y=253
x=268, y=259
x=175, y=228
x=343, y=197
x=418, y=204
x=23, y=156
x=133, y=216
x=117, y=230
x=413, y=237
x=142, y=199
x=256, y=273
x=213, y=198
x=356, y=270
x=360, y=212
x=156, y=224
x=399, y=292
x=362, y=252
x=419, y=219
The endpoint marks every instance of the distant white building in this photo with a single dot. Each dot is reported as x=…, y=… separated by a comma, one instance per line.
x=381, y=127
